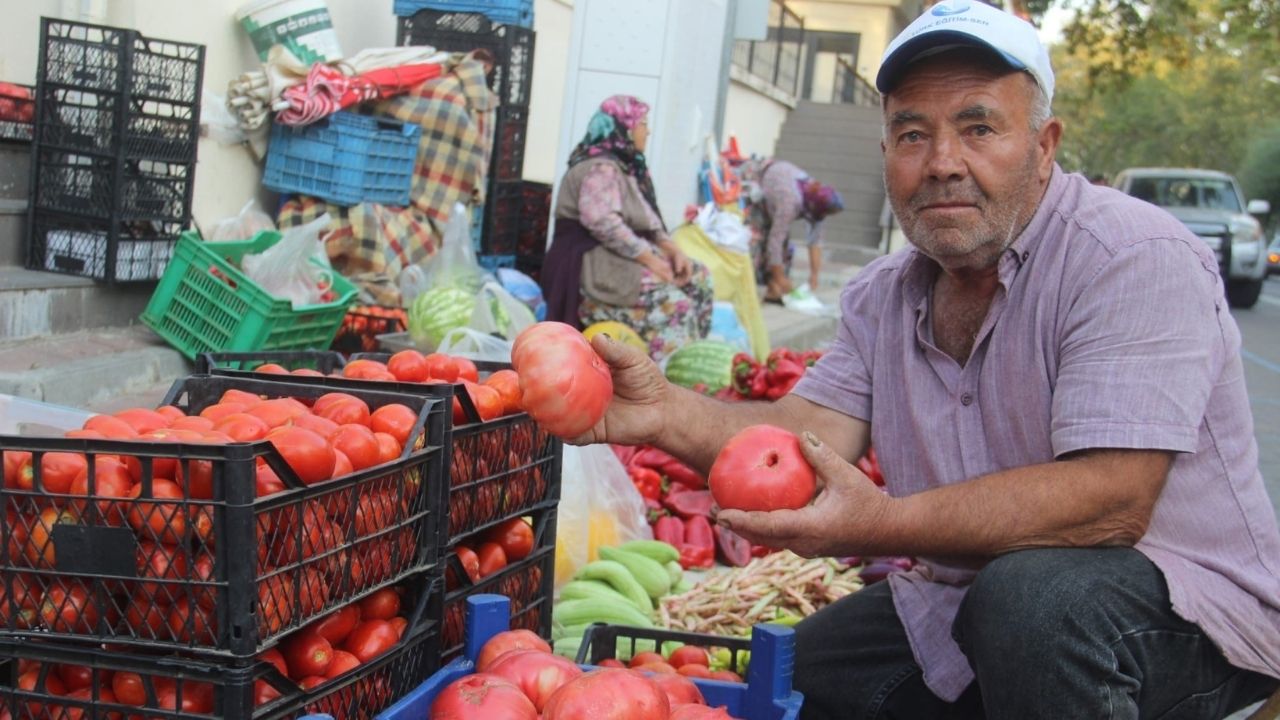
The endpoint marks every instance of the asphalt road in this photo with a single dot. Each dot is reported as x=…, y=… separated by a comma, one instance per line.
x=1260, y=328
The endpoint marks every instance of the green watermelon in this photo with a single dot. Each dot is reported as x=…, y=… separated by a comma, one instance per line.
x=709, y=362
x=436, y=312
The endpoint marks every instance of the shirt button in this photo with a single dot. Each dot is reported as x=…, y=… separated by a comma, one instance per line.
x=1025, y=254
x=966, y=399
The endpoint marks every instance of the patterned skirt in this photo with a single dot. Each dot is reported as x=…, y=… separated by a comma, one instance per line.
x=666, y=316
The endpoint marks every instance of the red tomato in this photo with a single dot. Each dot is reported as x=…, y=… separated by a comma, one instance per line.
x=161, y=522
x=343, y=662
x=762, y=468
x=271, y=368
x=408, y=366
x=394, y=419
x=466, y=369
x=240, y=396
x=341, y=464
x=193, y=422
x=689, y=654
x=243, y=427
x=312, y=682
x=645, y=658
x=268, y=483
x=85, y=695
x=170, y=412
x=273, y=656
x=388, y=447
x=68, y=609
x=470, y=562
x=40, y=550
x=507, y=383
x=611, y=663
x=699, y=712
x=695, y=670
x=328, y=399
x=383, y=604
x=488, y=400
x=112, y=427
x=442, y=367
x=370, y=639
x=190, y=626
x=726, y=676
x=220, y=410
x=78, y=677
x=595, y=696
x=15, y=463
x=323, y=427
x=111, y=479
x=680, y=690
x=143, y=420
x=277, y=412
x=337, y=625
x=538, y=674
x=262, y=693
x=30, y=682
x=163, y=562
x=307, y=453
x=505, y=642
x=564, y=385
x=659, y=668
x=516, y=538
x=307, y=372
x=492, y=558
x=347, y=411
x=482, y=696
x=357, y=443
x=58, y=470
x=399, y=624
x=363, y=369
x=306, y=653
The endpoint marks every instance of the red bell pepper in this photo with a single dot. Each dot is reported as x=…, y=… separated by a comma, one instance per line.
x=668, y=465
x=624, y=453
x=731, y=548
x=699, y=546
x=647, y=481
x=653, y=510
x=669, y=529
x=688, y=503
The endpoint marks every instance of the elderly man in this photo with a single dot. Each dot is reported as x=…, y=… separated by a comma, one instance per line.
x=1053, y=384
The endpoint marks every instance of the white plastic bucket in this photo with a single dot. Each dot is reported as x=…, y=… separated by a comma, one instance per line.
x=302, y=26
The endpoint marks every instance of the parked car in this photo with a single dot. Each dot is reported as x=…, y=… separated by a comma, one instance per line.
x=1211, y=205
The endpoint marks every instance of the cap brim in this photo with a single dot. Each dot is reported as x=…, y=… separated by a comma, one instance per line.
x=893, y=67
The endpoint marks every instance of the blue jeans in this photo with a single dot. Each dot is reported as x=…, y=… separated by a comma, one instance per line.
x=1055, y=633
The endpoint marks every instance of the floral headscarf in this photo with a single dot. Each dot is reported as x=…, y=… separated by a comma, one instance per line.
x=820, y=200
x=609, y=133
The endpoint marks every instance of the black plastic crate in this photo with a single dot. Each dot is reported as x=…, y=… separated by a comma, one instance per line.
x=220, y=690
x=517, y=214
x=509, y=137
x=119, y=60
x=112, y=126
x=496, y=469
x=17, y=113
x=105, y=189
x=106, y=250
x=364, y=323
x=235, y=571
x=322, y=361
x=510, y=47
x=528, y=582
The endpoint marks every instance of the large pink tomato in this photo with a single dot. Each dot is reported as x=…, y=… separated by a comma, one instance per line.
x=565, y=386
x=539, y=674
x=482, y=697
x=609, y=694
x=762, y=468
x=699, y=712
x=679, y=689
x=507, y=641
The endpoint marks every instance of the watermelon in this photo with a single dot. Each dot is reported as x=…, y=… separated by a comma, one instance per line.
x=709, y=362
x=436, y=312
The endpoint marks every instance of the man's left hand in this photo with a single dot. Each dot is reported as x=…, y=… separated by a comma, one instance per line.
x=843, y=518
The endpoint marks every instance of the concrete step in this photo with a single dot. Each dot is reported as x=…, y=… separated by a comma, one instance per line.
x=13, y=232
x=34, y=303
x=92, y=369
x=803, y=331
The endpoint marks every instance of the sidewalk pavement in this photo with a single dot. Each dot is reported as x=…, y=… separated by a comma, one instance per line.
x=803, y=331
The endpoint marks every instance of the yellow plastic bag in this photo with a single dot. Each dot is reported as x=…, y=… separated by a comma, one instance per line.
x=599, y=507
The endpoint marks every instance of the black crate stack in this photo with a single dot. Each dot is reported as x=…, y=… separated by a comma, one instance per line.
x=114, y=151
x=516, y=212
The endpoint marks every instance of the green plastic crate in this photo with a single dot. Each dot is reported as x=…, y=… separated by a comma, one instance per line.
x=204, y=303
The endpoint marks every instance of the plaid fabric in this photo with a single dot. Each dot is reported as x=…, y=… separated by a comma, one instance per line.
x=370, y=244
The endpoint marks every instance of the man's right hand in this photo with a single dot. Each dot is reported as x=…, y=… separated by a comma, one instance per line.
x=638, y=411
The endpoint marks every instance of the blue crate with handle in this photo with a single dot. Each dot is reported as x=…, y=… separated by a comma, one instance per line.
x=505, y=12
x=345, y=159
x=767, y=694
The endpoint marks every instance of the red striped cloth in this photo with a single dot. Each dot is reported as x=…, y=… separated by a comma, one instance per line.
x=328, y=90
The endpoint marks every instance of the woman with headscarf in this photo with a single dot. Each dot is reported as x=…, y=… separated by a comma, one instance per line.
x=780, y=194
x=610, y=257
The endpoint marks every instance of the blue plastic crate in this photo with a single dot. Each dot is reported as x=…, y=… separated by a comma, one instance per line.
x=345, y=159
x=506, y=12
x=767, y=694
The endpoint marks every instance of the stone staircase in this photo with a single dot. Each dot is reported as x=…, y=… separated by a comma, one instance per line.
x=65, y=339
x=840, y=145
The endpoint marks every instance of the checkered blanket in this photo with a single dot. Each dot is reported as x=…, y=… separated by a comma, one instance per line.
x=370, y=244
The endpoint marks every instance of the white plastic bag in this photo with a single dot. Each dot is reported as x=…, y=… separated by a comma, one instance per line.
x=297, y=267
x=250, y=221
x=219, y=121
x=475, y=345
x=455, y=264
x=498, y=312
x=599, y=506
x=724, y=228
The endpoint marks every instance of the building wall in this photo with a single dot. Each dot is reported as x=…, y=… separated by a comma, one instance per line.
x=226, y=177
x=754, y=118
x=877, y=21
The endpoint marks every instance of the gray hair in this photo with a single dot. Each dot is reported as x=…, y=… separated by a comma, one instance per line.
x=1040, y=111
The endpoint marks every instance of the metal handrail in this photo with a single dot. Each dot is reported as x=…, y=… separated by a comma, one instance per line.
x=776, y=59
x=850, y=88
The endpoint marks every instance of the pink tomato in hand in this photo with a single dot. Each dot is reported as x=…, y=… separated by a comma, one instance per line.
x=762, y=468
x=564, y=385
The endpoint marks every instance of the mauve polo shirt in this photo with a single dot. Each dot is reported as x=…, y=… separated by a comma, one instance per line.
x=1109, y=330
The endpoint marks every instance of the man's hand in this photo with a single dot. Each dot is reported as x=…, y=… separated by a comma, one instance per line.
x=640, y=391
x=843, y=516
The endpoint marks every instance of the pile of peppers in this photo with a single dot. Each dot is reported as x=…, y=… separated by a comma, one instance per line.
x=770, y=380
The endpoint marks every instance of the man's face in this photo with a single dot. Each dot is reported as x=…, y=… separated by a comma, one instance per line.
x=963, y=169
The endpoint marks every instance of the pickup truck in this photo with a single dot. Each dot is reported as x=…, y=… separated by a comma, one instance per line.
x=1211, y=205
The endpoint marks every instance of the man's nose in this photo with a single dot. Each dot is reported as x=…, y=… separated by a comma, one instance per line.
x=946, y=158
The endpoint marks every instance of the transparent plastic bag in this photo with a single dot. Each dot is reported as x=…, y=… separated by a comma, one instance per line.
x=250, y=221
x=525, y=289
x=598, y=507
x=498, y=312
x=475, y=345
x=455, y=264
x=297, y=267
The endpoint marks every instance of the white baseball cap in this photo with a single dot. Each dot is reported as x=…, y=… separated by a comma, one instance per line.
x=954, y=23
